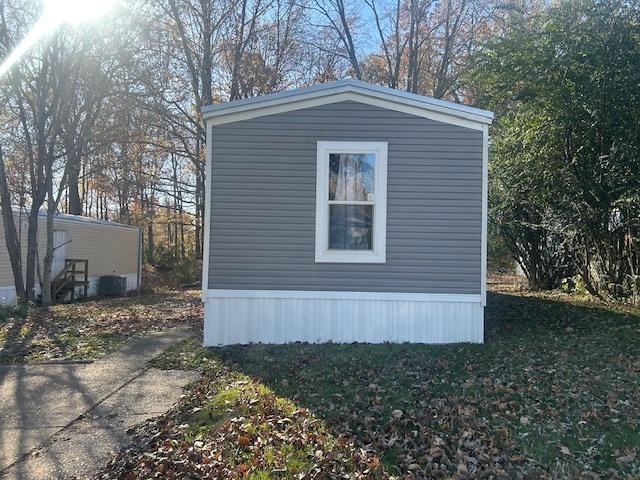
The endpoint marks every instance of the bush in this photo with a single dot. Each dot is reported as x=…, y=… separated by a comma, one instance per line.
x=565, y=152
x=172, y=269
x=7, y=312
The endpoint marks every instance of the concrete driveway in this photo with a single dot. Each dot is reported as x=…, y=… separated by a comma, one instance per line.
x=66, y=420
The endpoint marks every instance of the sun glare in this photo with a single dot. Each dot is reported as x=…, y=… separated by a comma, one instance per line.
x=55, y=14
x=77, y=11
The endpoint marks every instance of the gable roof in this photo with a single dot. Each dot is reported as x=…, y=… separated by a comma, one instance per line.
x=347, y=90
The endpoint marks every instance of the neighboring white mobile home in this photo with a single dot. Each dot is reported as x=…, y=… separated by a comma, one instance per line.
x=106, y=248
x=345, y=212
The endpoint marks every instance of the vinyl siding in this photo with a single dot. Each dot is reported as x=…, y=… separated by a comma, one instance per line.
x=110, y=249
x=263, y=203
x=6, y=275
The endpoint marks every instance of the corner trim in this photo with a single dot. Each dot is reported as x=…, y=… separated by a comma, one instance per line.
x=485, y=213
x=335, y=295
x=207, y=210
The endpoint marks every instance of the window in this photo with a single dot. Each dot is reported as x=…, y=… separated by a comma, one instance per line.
x=351, y=202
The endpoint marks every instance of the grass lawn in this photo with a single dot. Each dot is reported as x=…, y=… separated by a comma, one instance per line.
x=90, y=329
x=553, y=393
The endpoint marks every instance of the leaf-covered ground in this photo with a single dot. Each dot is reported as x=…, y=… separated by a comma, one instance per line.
x=553, y=393
x=92, y=328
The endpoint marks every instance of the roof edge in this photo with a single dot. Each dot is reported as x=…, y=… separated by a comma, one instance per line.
x=75, y=218
x=347, y=86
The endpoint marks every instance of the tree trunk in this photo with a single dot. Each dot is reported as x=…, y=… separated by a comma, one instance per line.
x=73, y=178
x=32, y=252
x=351, y=49
x=150, y=239
x=10, y=234
x=48, y=258
x=412, y=42
x=150, y=246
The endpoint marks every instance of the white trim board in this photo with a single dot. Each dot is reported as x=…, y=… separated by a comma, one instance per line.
x=207, y=209
x=337, y=295
x=323, y=254
x=349, y=85
x=275, y=107
x=348, y=90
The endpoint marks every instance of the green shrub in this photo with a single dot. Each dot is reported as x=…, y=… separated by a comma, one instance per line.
x=174, y=267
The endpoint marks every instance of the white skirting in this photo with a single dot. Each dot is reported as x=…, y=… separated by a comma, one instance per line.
x=8, y=293
x=241, y=317
x=8, y=296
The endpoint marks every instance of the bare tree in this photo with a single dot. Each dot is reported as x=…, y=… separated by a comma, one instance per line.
x=392, y=40
x=34, y=87
x=266, y=51
x=186, y=42
x=334, y=18
x=426, y=45
x=243, y=25
x=45, y=96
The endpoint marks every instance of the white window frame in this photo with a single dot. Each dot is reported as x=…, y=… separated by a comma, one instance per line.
x=379, y=237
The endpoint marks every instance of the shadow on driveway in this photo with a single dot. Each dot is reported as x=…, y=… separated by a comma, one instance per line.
x=59, y=420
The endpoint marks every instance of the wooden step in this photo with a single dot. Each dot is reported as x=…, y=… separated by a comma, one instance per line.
x=66, y=282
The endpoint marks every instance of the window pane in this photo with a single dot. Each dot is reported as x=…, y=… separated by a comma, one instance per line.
x=351, y=176
x=350, y=227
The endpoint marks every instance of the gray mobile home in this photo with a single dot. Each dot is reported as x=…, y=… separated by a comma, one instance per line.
x=345, y=212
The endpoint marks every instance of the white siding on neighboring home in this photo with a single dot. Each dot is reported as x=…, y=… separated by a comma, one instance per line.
x=112, y=249
x=7, y=290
